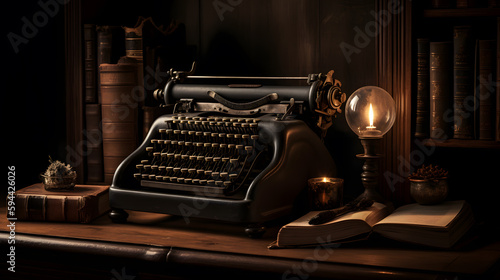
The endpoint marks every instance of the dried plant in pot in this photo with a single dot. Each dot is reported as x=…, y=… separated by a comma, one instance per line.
x=59, y=176
x=429, y=185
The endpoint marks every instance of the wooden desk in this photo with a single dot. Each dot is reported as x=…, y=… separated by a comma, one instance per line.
x=154, y=245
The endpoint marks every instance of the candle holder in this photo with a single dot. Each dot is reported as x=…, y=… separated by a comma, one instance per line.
x=325, y=193
x=370, y=113
x=370, y=174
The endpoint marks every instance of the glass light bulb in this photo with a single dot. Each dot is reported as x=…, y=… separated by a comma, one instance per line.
x=370, y=112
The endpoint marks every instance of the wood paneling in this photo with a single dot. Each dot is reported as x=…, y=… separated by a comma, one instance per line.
x=261, y=37
x=74, y=87
x=394, y=64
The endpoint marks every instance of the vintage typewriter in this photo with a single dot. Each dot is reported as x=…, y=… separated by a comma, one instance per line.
x=239, y=153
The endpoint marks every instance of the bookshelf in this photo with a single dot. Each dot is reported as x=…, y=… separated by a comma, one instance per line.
x=470, y=162
x=482, y=19
x=461, y=13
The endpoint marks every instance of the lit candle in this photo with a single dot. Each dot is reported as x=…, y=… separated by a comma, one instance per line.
x=325, y=193
x=371, y=130
x=370, y=117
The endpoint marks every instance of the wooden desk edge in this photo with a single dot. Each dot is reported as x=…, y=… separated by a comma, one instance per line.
x=200, y=258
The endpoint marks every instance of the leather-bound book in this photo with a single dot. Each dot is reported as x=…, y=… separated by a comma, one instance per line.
x=93, y=135
x=109, y=47
x=120, y=95
x=463, y=82
x=80, y=205
x=133, y=40
x=423, y=89
x=89, y=37
x=487, y=90
x=441, y=87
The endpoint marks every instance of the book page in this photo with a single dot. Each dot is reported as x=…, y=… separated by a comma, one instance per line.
x=359, y=215
x=439, y=215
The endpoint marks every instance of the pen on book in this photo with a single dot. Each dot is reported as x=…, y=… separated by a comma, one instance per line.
x=326, y=216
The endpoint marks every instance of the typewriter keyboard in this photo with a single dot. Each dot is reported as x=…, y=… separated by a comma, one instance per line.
x=193, y=152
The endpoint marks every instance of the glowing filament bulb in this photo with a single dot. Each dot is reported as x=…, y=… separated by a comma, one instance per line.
x=370, y=116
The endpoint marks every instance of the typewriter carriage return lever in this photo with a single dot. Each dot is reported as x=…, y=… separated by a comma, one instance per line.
x=237, y=153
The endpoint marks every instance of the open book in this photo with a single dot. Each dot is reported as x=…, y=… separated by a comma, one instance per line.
x=440, y=225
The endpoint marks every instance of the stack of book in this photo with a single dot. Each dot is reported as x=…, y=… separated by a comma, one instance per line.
x=123, y=64
x=457, y=93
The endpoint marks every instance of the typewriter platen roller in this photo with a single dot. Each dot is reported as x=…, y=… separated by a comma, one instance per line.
x=235, y=153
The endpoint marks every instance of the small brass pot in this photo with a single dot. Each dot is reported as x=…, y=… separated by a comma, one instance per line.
x=59, y=183
x=429, y=191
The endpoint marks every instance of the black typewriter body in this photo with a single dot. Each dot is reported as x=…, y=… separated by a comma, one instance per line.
x=227, y=153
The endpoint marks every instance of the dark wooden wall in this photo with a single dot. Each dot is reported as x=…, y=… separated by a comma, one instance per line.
x=258, y=37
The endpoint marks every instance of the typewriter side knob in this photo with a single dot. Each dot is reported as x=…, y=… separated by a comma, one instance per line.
x=158, y=94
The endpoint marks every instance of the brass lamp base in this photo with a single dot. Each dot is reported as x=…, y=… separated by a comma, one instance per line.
x=370, y=174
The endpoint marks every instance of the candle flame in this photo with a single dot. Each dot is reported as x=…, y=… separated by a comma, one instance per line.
x=324, y=179
x=370, y=115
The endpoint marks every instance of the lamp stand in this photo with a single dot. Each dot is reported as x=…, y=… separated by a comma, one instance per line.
x=370, y=174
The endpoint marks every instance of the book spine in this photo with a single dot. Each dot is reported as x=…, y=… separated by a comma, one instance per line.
x=89, y=36
x=441, y=80
x=133, y=42
x=497, y=121
x=104, y=44
x=95, y=165
x=463, y=82
x=119, y=114
x=423, y=89
x=55, y=209
x=486, y=89
x=134, y=49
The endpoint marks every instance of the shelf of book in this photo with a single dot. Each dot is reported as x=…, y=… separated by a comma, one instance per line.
x=461, y=12
x=461, y=143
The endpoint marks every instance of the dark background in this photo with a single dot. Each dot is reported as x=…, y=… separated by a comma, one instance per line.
x=269, y=38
